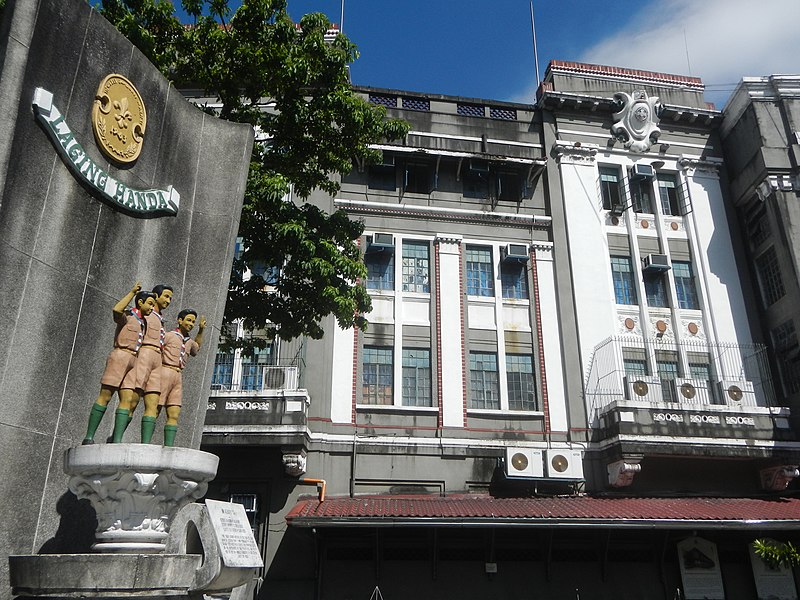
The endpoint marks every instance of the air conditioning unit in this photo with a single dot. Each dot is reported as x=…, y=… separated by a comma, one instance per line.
x=381, y=242
x=692, y=391
x=737, y=392
x=524, y=463
x=564, y=464
x=642, y=171
x=655, y=263
x=516, y=253
x=644, y=388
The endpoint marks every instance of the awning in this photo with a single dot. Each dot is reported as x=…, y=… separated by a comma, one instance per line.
x=574, y=511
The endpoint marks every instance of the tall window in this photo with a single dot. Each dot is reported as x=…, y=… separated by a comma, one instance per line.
x=641, y=191
x=624, y=281
x=377, y=376
x=656, y=290
x=685, y=287
x=480, y=273
x=609, y=188
x=769, y=276
x=223, y=371
x=514, y=278
x=380, y=270
x=253, y=369
x=416, y=267
x=484, y=385
x=667, y=372
x=668, y=194
x=416, y=377
x=521, y=387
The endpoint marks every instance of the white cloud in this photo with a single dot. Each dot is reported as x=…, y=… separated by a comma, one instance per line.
x=726, y=40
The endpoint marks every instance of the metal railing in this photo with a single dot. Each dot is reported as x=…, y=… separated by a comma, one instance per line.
x=686, y=372
x=256, y=378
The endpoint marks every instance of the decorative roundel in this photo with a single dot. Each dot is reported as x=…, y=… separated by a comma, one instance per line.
x=688, y=391
x=693, y=328
x=661, y=326
x=560, y=463
x=519, y=461
x=674, y=226
x=645, y=224
x=615, y=220
x=640, y=388
x=735, y=393
x=630, y=324
x=119, y=119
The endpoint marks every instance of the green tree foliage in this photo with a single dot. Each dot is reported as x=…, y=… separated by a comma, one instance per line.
x=775, y=554
x=293, y=86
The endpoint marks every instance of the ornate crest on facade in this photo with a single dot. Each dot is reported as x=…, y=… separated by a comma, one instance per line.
x=119, y=119
x=636, y=121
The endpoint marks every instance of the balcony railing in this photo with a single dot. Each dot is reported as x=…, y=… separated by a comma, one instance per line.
x=236, y=377
x=688, y=374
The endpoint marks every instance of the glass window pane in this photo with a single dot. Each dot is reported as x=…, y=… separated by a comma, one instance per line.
x=521, y=385
x=609, y=187
x=668, y=194
x=514, y=278
x=624, y=282
x=685, y=287
x=380, y=270
x=223, y=371
x=378, y=376
x=416, y=267
x=656, y=291
x=416, y=377
x=484, y=385
x=480, y=271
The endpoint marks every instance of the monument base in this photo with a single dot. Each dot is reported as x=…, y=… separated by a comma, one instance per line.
x=141, y=576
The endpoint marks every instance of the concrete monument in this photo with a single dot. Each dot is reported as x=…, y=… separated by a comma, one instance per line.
x=107, y=176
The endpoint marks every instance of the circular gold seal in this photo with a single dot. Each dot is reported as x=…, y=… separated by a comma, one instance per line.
x=119, y=119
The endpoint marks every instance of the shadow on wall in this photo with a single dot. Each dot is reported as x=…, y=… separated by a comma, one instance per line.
x=76, y=527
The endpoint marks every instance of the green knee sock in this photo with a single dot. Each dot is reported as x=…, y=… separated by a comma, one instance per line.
x=130, y=418
x=95, y=416
x=169, y=434
x=120, y=422
x=148, y=426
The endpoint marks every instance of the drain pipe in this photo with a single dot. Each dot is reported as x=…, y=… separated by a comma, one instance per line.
x=319, y=482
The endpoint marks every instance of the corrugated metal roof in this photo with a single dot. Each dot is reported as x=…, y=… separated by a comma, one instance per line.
x=568, y=511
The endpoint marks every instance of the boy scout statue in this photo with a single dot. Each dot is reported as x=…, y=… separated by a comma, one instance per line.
x=178, y=346
x=148, y=363
x=119, y=375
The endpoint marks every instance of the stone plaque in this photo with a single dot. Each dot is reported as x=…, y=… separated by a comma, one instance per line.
x=234, y=536
x=700, y=571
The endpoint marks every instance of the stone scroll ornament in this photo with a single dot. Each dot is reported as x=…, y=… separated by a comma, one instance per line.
x=636, y=121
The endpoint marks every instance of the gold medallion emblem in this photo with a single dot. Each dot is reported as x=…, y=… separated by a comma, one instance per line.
x=119, y=119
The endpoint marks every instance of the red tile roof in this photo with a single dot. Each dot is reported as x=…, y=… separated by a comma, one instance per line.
x=757, y=513
x=651, y=76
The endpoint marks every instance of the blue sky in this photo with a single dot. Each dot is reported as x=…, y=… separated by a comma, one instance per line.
x=483, y=49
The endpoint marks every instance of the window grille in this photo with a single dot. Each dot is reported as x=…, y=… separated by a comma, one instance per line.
x=480, y=273
x=484, y=386
x=377, y=376
x=507, y=114
x=521, y=386
x=416, y=377
x=471, y=110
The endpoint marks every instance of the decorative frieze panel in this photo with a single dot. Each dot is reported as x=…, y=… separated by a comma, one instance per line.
x=777, y=183
x=575, y=152
x=695, y=166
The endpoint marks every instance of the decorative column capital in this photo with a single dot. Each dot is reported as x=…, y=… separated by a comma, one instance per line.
x=777, y=183
x=576, y=153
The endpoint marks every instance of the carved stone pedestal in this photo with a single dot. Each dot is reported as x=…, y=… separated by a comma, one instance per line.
x=136, y=490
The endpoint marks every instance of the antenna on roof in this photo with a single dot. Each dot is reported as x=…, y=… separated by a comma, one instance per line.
x=341, y=20
x=535, y=50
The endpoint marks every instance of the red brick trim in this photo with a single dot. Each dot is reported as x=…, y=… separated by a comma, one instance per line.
x=649, y=76
x=540, y=342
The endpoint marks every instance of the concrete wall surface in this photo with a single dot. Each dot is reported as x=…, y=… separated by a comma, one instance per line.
x=66, y=257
